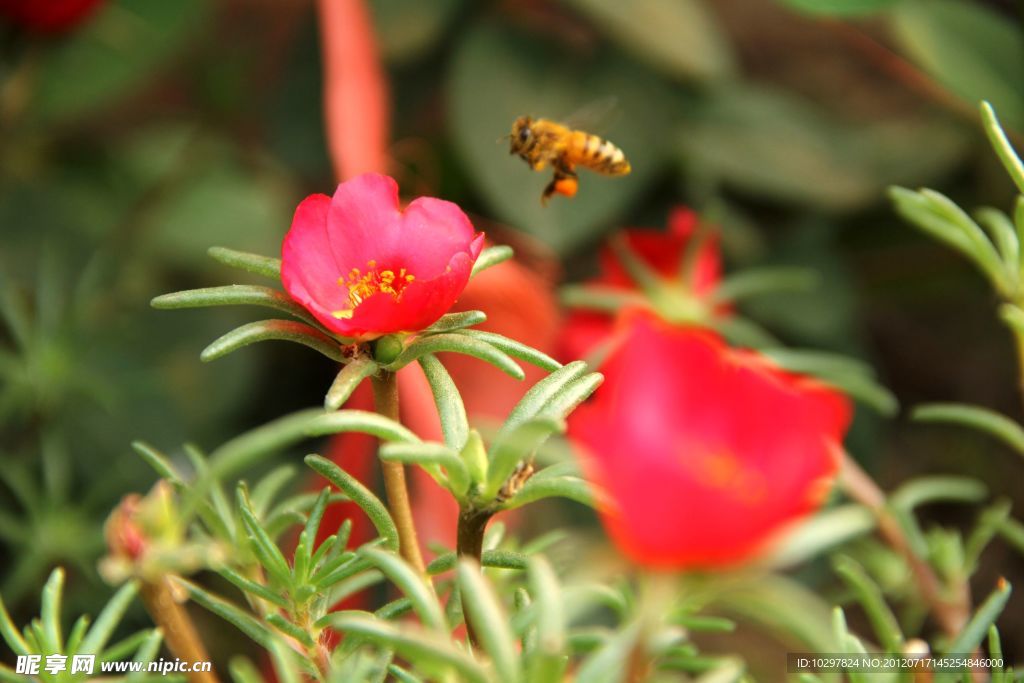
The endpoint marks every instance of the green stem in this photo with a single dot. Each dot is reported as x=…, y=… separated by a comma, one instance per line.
x=470, y=538
x=470, y=543
x=385, y=397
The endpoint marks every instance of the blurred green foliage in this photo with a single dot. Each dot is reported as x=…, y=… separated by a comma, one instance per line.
x=157, y=129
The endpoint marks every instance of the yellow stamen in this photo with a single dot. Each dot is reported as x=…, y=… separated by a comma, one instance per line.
x=362, y=286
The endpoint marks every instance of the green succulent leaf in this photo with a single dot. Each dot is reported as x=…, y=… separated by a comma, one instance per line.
x=96, y=638
x=555, y=487
x=249, y=448
x=158, y=461
x=983, y=619
x=458, y=343
x=448, y=399
x=268, y=330
x=362, y=421
x=148, y=650
x=234, y=295
x=303, y=558
x=269, y=486
x=10, y=633
x=245, y=622
x=938, y=216
x=543, y=392
x=981, y=419
x=52, y=640
x=253, y=263
x=490, y=257
x=430, y=456
x=457, y=321
x=575, y=393
x=347, y=380
x=924, y=490
x=1001, y=144
x=548, y=661
x=76, y=634
x=289, y=629
x=515, y=349
x=822, y=532
x=432, y=654
x=1004, y=235
x=266, y=550
x=869, y=595
x=840, y=8
x=251, y=587
x=612, y=656
x=489, y=621
x=498, y=559
x=361, y=496
x=413, y=586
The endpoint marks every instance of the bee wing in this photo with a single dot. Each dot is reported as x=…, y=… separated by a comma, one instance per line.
x=596, y=116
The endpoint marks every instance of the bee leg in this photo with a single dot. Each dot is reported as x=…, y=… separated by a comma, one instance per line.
x=548, y=191
x=564, y=183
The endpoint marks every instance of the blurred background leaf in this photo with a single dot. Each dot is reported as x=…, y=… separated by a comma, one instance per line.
x=407, y=29
x=840, y=8
x=680, y=38
x=116, y=52
x=774, y=145
x=969, y=49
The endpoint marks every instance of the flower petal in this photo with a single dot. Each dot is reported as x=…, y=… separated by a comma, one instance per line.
x=707, y=452
x=449, y=231
x=309, y=271
x=364, y=222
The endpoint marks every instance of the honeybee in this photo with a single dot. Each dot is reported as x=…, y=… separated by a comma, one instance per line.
x=541, y=142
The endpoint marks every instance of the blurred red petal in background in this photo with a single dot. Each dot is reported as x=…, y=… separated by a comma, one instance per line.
x=48, y=16
x=357, y=113
x=705, y=451
x=662, y=251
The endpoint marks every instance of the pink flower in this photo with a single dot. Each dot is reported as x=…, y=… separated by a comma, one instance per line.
x=707, y=452
x=365, y=268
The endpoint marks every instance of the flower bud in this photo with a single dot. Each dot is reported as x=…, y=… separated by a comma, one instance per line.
x=146, y=538
x=475, y=456
x=386, y=349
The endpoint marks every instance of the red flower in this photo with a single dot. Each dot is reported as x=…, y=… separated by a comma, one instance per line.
x=663, y=252
x=365, y=268
x=706, y=451
x=48, y=16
